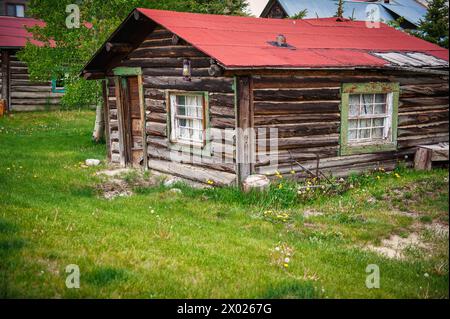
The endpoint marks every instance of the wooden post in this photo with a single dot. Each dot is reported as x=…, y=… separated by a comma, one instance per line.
x=245, y=143
x=106, y=117
x=6, y=79
x=422, y=160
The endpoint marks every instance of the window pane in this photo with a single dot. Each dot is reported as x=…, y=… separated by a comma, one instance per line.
x=181, y=110
x=352, y=124
x=20, y=11
x=367, y=104
x=380, y=98
x=353, y=110
x=377, y=133
x=181, y=100
x=378, y=122
x=11, y=10
x=364, y=134
x=364, y=123
x=352, y=134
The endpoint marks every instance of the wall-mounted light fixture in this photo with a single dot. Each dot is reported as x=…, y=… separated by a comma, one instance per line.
x=186, y=70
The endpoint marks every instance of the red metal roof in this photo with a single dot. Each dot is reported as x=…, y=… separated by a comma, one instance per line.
x=242, y=42
x=13, y=33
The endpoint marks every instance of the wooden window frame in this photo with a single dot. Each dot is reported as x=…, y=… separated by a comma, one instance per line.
x=393, y=92
x=15, y=9
x=56, y=89
x=203, y=148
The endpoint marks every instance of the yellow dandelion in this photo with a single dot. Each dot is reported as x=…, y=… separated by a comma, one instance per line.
x=378, y=177
x=293, y=172
x=397, y=175
x=308, y=189
x=280, y=186
x=286, y=265
x=210, y=182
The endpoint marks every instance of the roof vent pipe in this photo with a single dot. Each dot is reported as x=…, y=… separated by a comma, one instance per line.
x=281, y=41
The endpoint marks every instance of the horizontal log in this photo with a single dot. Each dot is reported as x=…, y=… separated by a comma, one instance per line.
x=282, y=95
x=413, y=141
x=156, y=129
x=192, y=172
x=19, y=101
x=263, y=120
x=424, y=101
x=423, y=129
x=311, y=107
x=304, y=129
x=222, y=122
x=422, y=118
x=36, y=95
x=303, y=141
x=411, y=91
x=196, y=84
x=185, y=51
x=221, y=111
x=155, y=105
x=174, y=72
x=222, y=99
x=166, y=62
x=212, y=162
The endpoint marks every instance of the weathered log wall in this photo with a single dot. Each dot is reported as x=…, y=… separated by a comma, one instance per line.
x=305, y=109
x=161, y=62
x=27, y=95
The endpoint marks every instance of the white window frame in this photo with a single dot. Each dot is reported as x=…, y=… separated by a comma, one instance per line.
x=175, y=117
x=387, y=120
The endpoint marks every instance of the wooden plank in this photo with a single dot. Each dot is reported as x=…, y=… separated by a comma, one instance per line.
x=245, y=139
x=191, y=172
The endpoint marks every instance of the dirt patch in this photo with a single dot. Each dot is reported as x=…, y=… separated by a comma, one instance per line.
x=121, y=182
x=395, y=246
x=311, y=213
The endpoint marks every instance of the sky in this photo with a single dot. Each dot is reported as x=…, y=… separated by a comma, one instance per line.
x=257, y=6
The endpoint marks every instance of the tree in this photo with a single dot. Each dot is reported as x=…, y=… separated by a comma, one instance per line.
x=340, y=10
x=64, y=50
x=434, y=26
x=300, y=15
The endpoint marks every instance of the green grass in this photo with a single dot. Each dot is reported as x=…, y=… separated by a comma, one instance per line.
x=214, y=243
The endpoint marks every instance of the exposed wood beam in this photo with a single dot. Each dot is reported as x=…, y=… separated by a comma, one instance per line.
x=118, y=47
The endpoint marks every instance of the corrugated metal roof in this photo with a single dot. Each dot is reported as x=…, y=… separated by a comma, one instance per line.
x=240, y=42
x=13, y=33
x=411, y=10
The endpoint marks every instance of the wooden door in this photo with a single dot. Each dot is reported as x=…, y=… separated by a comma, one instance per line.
x=132, y=121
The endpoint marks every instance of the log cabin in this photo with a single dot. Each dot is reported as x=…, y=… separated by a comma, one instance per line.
x=410, y=11
x=16, y=89
x=215, y=99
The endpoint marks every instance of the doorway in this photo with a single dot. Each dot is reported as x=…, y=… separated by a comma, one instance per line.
x=131, y=121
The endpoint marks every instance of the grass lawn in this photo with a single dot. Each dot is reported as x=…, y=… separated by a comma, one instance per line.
x=204, y=243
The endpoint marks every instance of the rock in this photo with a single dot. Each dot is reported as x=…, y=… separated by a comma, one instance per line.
x=176, y=191
x=92, y=162
x=170, y=182
x=256, y=182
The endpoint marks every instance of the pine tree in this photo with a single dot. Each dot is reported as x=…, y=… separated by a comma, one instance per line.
x=434, y=26
x=340, y=9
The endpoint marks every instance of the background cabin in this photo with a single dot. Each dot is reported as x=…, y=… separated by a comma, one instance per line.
x=16, y=89
x=412, y=11
x=342, y=97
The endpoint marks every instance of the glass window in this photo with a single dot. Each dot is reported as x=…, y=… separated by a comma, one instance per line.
x=368, y=118
x=15, y=10
x=187, y=119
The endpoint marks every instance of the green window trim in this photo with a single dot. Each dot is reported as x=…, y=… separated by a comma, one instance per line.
x=124, y=71
x=368, y=88
x=55, y=89
x=204, y=150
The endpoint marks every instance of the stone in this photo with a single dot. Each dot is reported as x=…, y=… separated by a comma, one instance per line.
x=256, y=182
x=92, y=162
x=176, y=191
x=170, y=182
